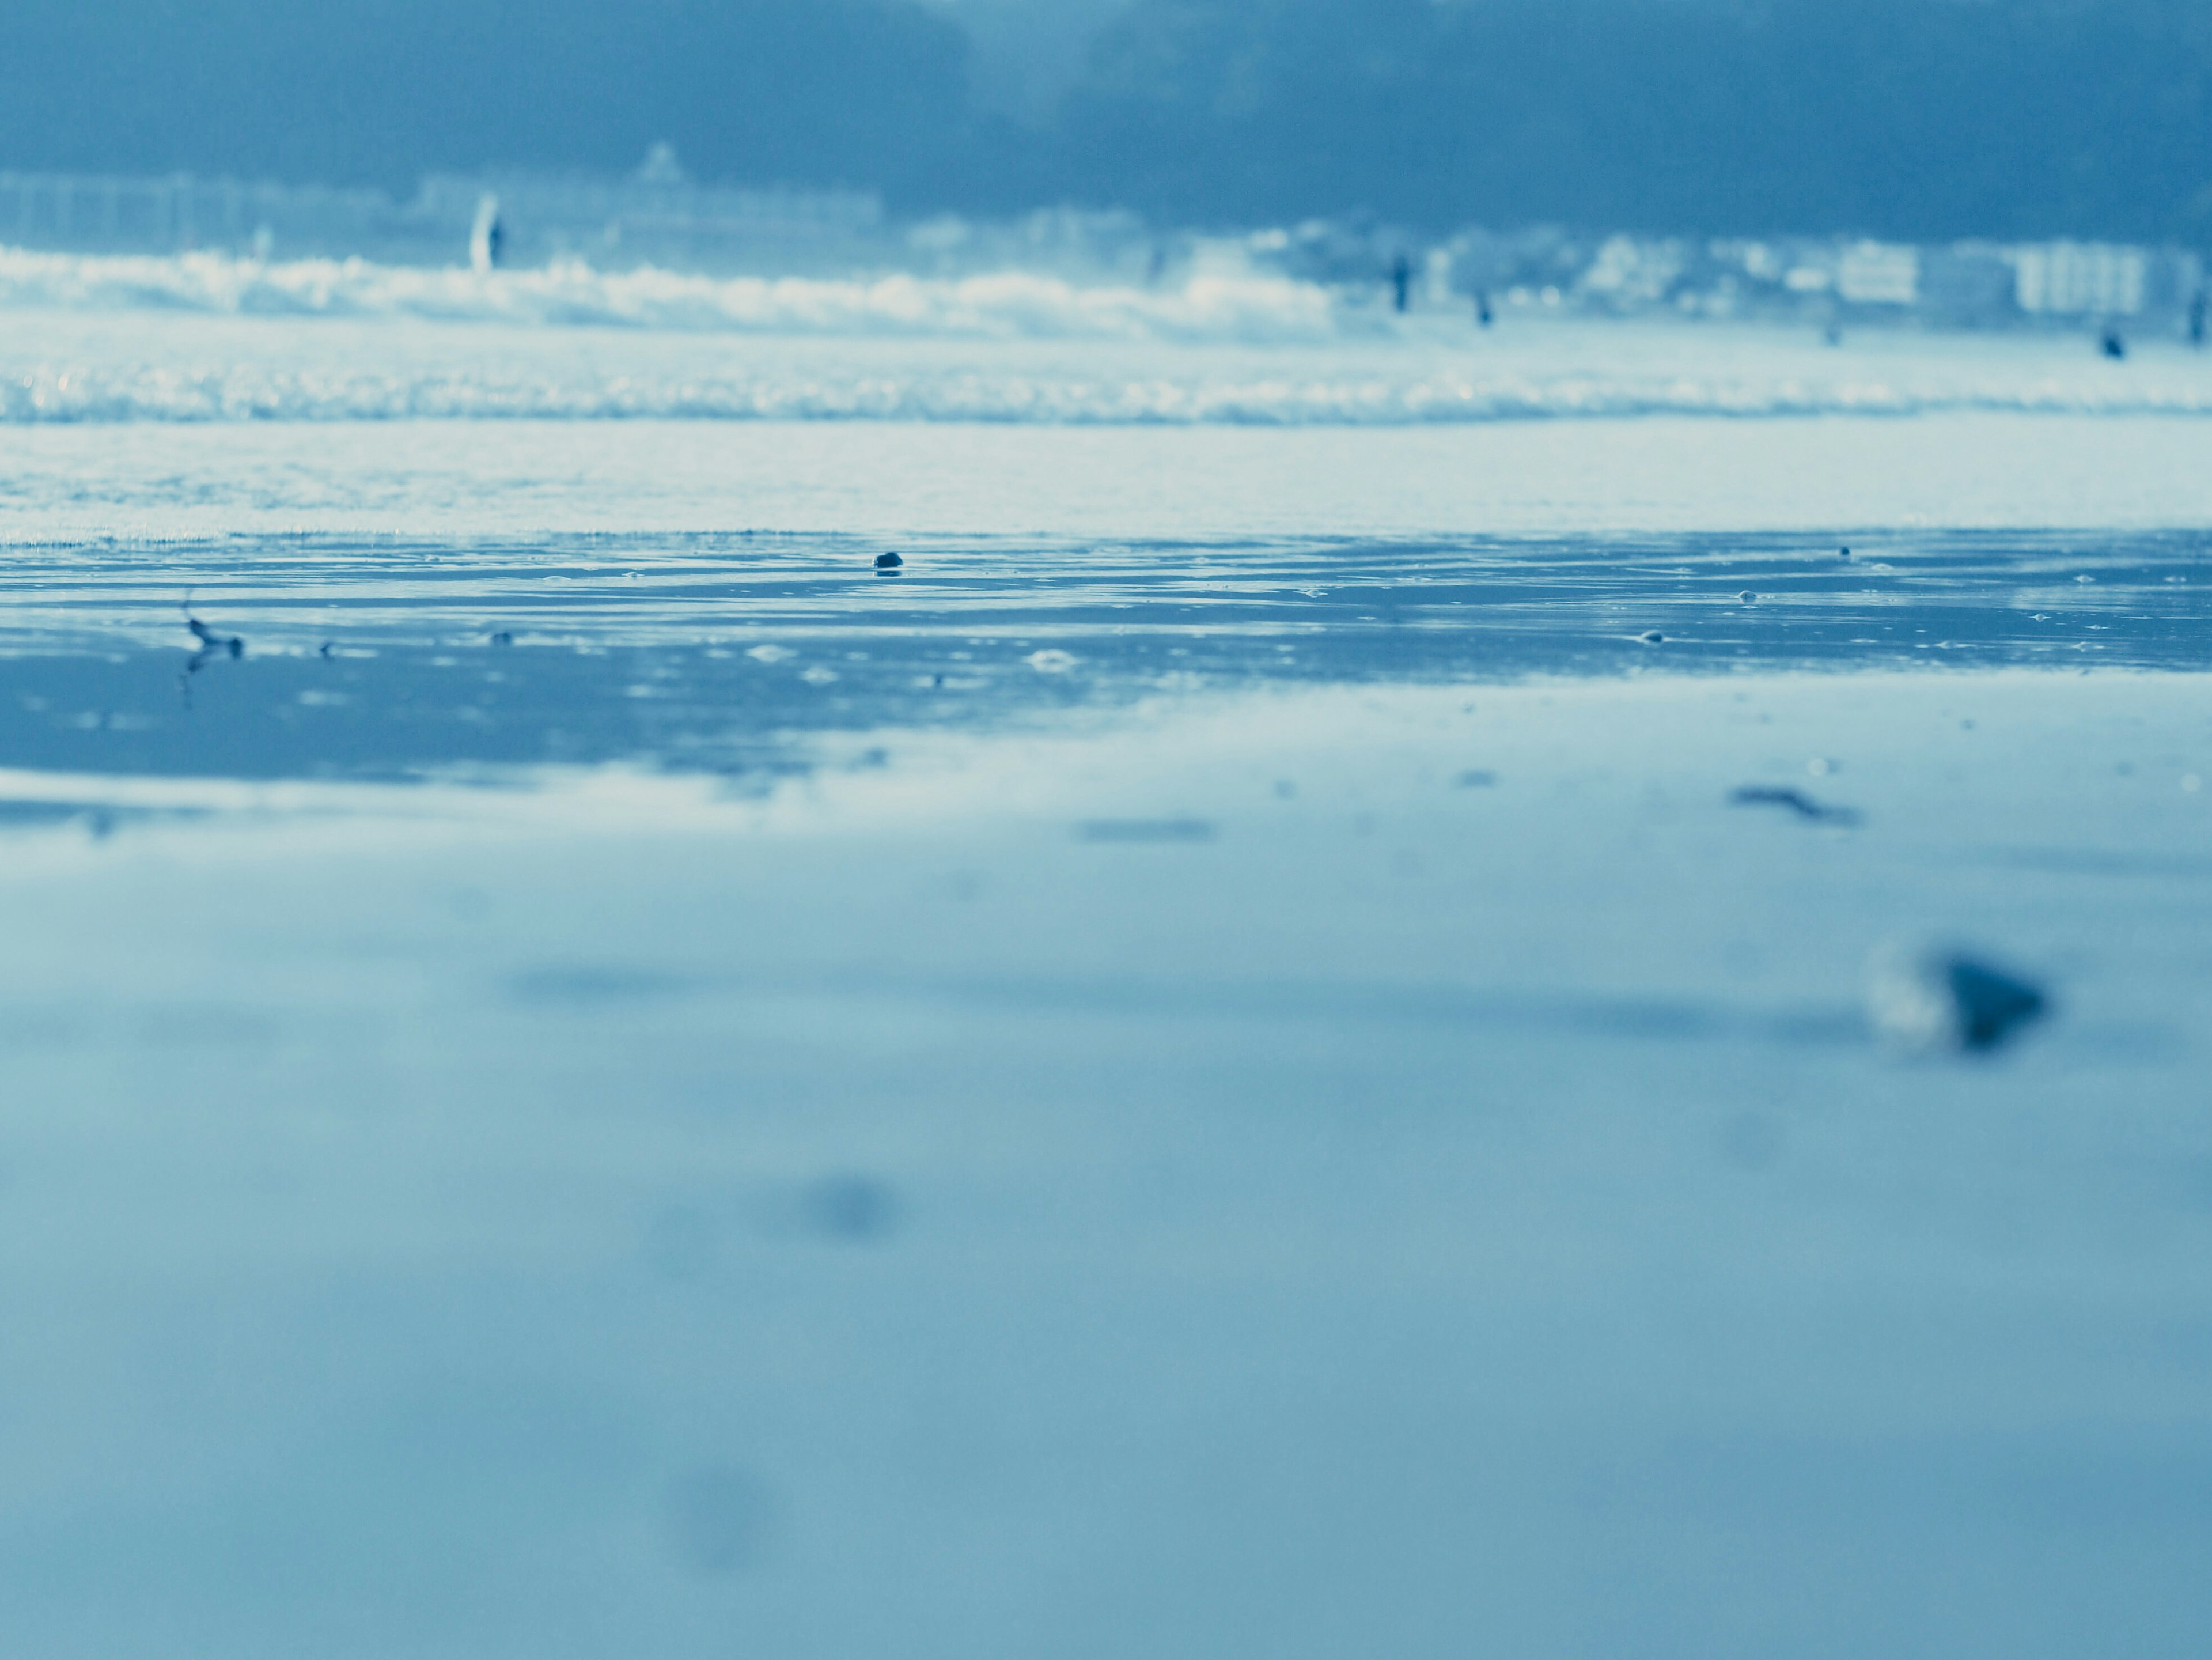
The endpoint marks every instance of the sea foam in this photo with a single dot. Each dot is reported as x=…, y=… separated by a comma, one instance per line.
x=209, y=338
x=1239, y=308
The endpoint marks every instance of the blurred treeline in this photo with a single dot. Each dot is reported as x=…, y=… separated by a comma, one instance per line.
x=1917, y=119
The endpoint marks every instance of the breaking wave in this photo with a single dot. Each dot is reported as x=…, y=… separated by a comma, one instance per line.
x=1018, y=347
x=265, y=394
x=1241, y=309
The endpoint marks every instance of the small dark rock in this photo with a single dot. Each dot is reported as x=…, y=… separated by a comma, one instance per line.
x=502, y=638
x=1652, y=637
x=888, y=562
x=1940, y=1001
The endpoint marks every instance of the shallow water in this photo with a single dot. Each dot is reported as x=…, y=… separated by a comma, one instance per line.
x=728, y=653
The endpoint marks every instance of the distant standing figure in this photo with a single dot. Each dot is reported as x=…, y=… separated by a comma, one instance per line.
x=1482, y=306
x=488, y=236
x=1401, y=282
x=2197, y=319
x=2113, y=346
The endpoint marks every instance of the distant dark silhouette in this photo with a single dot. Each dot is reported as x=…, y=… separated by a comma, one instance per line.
x=1482, y=306
x=1402, y=283
x=2112, y=345
x=1722, y=117
x=488, y=236
x=2197, y=319
x=867, y=92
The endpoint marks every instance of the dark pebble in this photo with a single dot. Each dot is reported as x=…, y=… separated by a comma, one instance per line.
x=1947, y=999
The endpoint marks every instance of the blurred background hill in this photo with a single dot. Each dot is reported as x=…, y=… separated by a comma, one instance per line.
x=1916, y=119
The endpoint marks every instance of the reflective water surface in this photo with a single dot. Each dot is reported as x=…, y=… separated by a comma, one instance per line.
x=387, y=659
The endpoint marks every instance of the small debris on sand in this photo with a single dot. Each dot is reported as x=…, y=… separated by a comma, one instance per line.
x=1652, y=637
x=214, y=644
x=888, y=562
x=1817, y=812
x=1944, y=1002
x=1145, y=830
x=1747, y=596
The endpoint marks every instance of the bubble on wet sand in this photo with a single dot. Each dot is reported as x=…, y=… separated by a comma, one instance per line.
x=856, y=1208
x=718, y=1519
x=1752, y=1143
x=680, y=1243
x=1939, y=1000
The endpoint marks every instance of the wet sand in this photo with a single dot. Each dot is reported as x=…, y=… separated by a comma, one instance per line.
x=1266, y=1051
x=1283, y=1170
